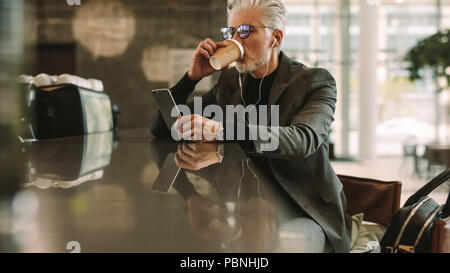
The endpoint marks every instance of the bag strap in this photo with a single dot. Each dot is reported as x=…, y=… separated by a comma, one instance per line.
x=429, y=187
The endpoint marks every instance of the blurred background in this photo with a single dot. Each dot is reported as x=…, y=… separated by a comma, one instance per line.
x=392, y=119
x=329, y=33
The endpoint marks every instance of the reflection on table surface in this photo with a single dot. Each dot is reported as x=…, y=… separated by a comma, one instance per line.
x=103, y=195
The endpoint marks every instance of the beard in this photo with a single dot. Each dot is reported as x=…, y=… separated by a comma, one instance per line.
x=251, y=65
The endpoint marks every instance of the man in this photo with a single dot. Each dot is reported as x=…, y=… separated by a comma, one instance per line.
x=266, y=76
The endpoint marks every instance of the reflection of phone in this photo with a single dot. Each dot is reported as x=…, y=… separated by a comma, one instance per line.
x=166, y=103
x=167, y=175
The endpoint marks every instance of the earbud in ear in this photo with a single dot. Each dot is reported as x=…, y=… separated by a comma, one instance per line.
x=274, y=42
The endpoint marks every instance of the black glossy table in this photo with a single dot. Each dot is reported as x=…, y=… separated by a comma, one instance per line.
x=96, y=194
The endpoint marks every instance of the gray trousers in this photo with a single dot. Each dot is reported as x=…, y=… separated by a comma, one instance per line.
x=302, y=235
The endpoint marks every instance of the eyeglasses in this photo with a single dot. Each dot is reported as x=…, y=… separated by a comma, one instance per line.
x=243, y=31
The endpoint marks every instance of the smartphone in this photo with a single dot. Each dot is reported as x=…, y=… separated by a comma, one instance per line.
x=167, y=175
x=166, y=103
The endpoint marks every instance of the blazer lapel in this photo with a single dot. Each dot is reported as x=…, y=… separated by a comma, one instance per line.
x=280, y=83
x=281, y=80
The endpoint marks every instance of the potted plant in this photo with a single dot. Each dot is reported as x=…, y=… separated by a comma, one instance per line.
x=432, y=53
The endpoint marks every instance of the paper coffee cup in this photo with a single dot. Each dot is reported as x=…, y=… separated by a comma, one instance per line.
x=226, y=55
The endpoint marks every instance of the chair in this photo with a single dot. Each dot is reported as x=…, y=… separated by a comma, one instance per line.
x=378, y=200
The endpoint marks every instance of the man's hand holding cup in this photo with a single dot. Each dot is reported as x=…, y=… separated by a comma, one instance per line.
x=211, y=56
x=200, y=66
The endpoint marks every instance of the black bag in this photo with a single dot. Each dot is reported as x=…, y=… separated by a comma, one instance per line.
x=411, y=227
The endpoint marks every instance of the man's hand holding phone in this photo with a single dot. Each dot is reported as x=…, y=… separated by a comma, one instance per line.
x=197, y=128
x=196, y=156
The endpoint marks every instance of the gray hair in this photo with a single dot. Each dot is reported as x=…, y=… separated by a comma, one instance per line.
x=274, y=11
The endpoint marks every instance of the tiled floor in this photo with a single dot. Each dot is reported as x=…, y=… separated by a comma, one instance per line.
x=394, y=169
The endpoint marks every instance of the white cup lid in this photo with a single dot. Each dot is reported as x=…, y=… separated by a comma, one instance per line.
x=215, y=63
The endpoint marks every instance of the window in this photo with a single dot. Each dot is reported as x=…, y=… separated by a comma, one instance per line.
x=311, y=38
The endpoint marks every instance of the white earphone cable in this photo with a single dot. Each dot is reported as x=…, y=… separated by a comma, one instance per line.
x=259, y=89
x=260, y=83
